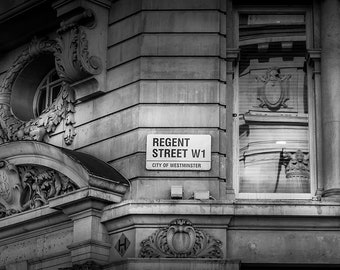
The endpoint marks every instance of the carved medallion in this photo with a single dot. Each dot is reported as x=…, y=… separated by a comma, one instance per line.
x=273, y=94
x=180, y=240
x=10, y=189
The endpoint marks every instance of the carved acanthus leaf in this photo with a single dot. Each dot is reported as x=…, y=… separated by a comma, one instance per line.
x=180, y=240
x=27, y=187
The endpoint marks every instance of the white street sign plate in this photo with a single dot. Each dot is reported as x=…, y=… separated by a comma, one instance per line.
x=178, y=152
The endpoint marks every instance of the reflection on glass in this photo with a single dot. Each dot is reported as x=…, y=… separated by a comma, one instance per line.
x=273, y=107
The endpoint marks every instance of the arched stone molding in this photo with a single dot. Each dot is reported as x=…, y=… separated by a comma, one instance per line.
x=91, y=184
x=79, y=171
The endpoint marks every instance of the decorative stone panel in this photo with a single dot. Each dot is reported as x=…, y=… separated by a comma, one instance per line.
x=181, y=240
x=26, y=187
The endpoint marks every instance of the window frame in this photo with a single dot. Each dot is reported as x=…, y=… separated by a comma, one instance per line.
x=307, y=12
x=48, y=88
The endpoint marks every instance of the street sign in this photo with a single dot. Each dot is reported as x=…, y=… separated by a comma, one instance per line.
x=178, y=152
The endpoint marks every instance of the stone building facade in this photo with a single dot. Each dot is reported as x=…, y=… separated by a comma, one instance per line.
x=89, y=88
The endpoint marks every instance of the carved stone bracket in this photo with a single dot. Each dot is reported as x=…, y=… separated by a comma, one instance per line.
x=273, y=94
x=180, y=240
x=27, y=187
x=72, y=57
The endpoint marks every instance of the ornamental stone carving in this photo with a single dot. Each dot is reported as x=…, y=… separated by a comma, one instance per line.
x=296, y=165
x=27, y=187
x=180, y=240
x=10, y=189
x=273, y=94
x=13, y=129
x=73, y=62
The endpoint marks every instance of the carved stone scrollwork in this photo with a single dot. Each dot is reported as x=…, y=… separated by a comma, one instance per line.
x=180, y=240
x=296, y=165
x=27, y=187
x=73, y=62
x=273, y=94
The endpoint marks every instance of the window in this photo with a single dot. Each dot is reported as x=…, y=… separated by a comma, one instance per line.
x=47, y=91
x=273, y=106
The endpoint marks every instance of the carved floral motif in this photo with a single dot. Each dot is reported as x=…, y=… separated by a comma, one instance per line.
x=180, y=240
x=27, y=187
x=273, y=94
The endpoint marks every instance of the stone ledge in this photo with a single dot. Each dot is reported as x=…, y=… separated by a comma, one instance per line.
x=296, y=208
x=175, y=263
x=31, y=221
x=81, y=195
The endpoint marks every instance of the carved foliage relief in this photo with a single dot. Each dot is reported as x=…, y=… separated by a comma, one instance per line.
x=25, y=187
x=73, y=63
x=180, y=240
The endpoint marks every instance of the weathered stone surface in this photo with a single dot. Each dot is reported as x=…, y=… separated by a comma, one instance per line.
x=46, y=244
x=152, y=189
x=164, y=68
x=165, y=21
x=165, y=45
x=203, y=116
x=278, y=246
x=169, y=264
x=186, y=92
x=111, y=102
x=128, y=7
x=180, y=68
